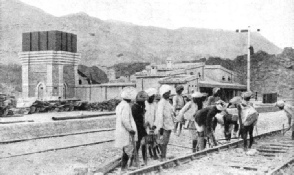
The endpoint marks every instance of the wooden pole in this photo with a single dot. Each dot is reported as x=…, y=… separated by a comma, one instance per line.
x=248, y=61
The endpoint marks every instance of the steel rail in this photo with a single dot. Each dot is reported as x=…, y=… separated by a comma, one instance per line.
x=190, y=157
x=53, y=136
x=83, y=116
x=55, y=149
x=281, y=167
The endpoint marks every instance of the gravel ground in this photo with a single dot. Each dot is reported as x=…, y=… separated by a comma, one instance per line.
x=66, y=161
x=220, y=163
x=289, y=169
x=50, y=143
x=62, y=162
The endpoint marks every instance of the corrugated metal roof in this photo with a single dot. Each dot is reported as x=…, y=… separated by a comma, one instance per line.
x=178, y=79
x=208, y=82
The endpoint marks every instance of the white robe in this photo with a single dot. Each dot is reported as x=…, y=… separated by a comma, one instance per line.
x=150, y=114
x=124, y=124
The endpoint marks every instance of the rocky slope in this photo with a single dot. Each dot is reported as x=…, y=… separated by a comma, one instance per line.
x=110, y=42
x=269, y=73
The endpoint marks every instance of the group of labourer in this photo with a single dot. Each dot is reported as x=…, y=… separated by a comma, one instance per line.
x=143, y=121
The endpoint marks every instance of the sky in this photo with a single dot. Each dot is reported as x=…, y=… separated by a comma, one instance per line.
x=275, y=18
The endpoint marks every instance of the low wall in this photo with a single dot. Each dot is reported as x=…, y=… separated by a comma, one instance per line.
x=33, y=130
x=101, y=92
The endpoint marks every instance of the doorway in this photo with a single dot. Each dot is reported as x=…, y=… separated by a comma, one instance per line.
x=64, y=91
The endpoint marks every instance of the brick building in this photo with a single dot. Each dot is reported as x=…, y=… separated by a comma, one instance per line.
x=49, y=64
x=193, y=76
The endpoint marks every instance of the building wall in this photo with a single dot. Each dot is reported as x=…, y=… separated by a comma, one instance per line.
x=147, y=82
x=192, y=85
x=217, y=75
x=98, y=93
x=195, y=71
x=43, y=73
x=82, y=80
x=36, y=75
x=68, y=81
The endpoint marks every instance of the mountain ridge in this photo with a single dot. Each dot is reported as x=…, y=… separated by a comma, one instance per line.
x=101, y=41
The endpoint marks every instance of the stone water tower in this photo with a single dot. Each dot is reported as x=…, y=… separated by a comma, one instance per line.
x=49, y=64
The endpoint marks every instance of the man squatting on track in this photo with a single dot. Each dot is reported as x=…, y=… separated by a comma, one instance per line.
x=164, y=119
x=224, y=118
x=204, y=123
x=178, y=104
x=195, y=104
x=228, y=118
x=289, y=110
x=126, y=130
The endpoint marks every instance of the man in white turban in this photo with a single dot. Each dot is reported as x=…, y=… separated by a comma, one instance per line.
x=126, y=130
x=195, y=104
x=164, y=119
x=289, y=110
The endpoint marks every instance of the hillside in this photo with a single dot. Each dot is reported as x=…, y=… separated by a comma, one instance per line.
x=110, y=42
x=127, y=69
x=269, y=73
x=96, y=75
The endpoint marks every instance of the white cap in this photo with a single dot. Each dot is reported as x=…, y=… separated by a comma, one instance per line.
x=129, y=93
x=164, y=88
x=280, y=103
x=236, y=100
x=247, y=94
x=215, y=90
x=151, y=91
x=197, y=95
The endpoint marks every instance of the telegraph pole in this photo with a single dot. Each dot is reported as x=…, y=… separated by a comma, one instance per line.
x=248, y=61
x=248, y=54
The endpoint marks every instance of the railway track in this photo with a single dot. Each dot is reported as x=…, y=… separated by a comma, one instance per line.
x=53, y=136
x=274, y=152
x=7, y=143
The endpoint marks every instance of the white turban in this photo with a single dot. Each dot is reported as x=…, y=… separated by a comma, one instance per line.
x=247, y=94
x=215, y=90
x=280, y=103
x=236, y=100
x=151, y=91
x=129, y=93
x=197, y=95
x=164, y=88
